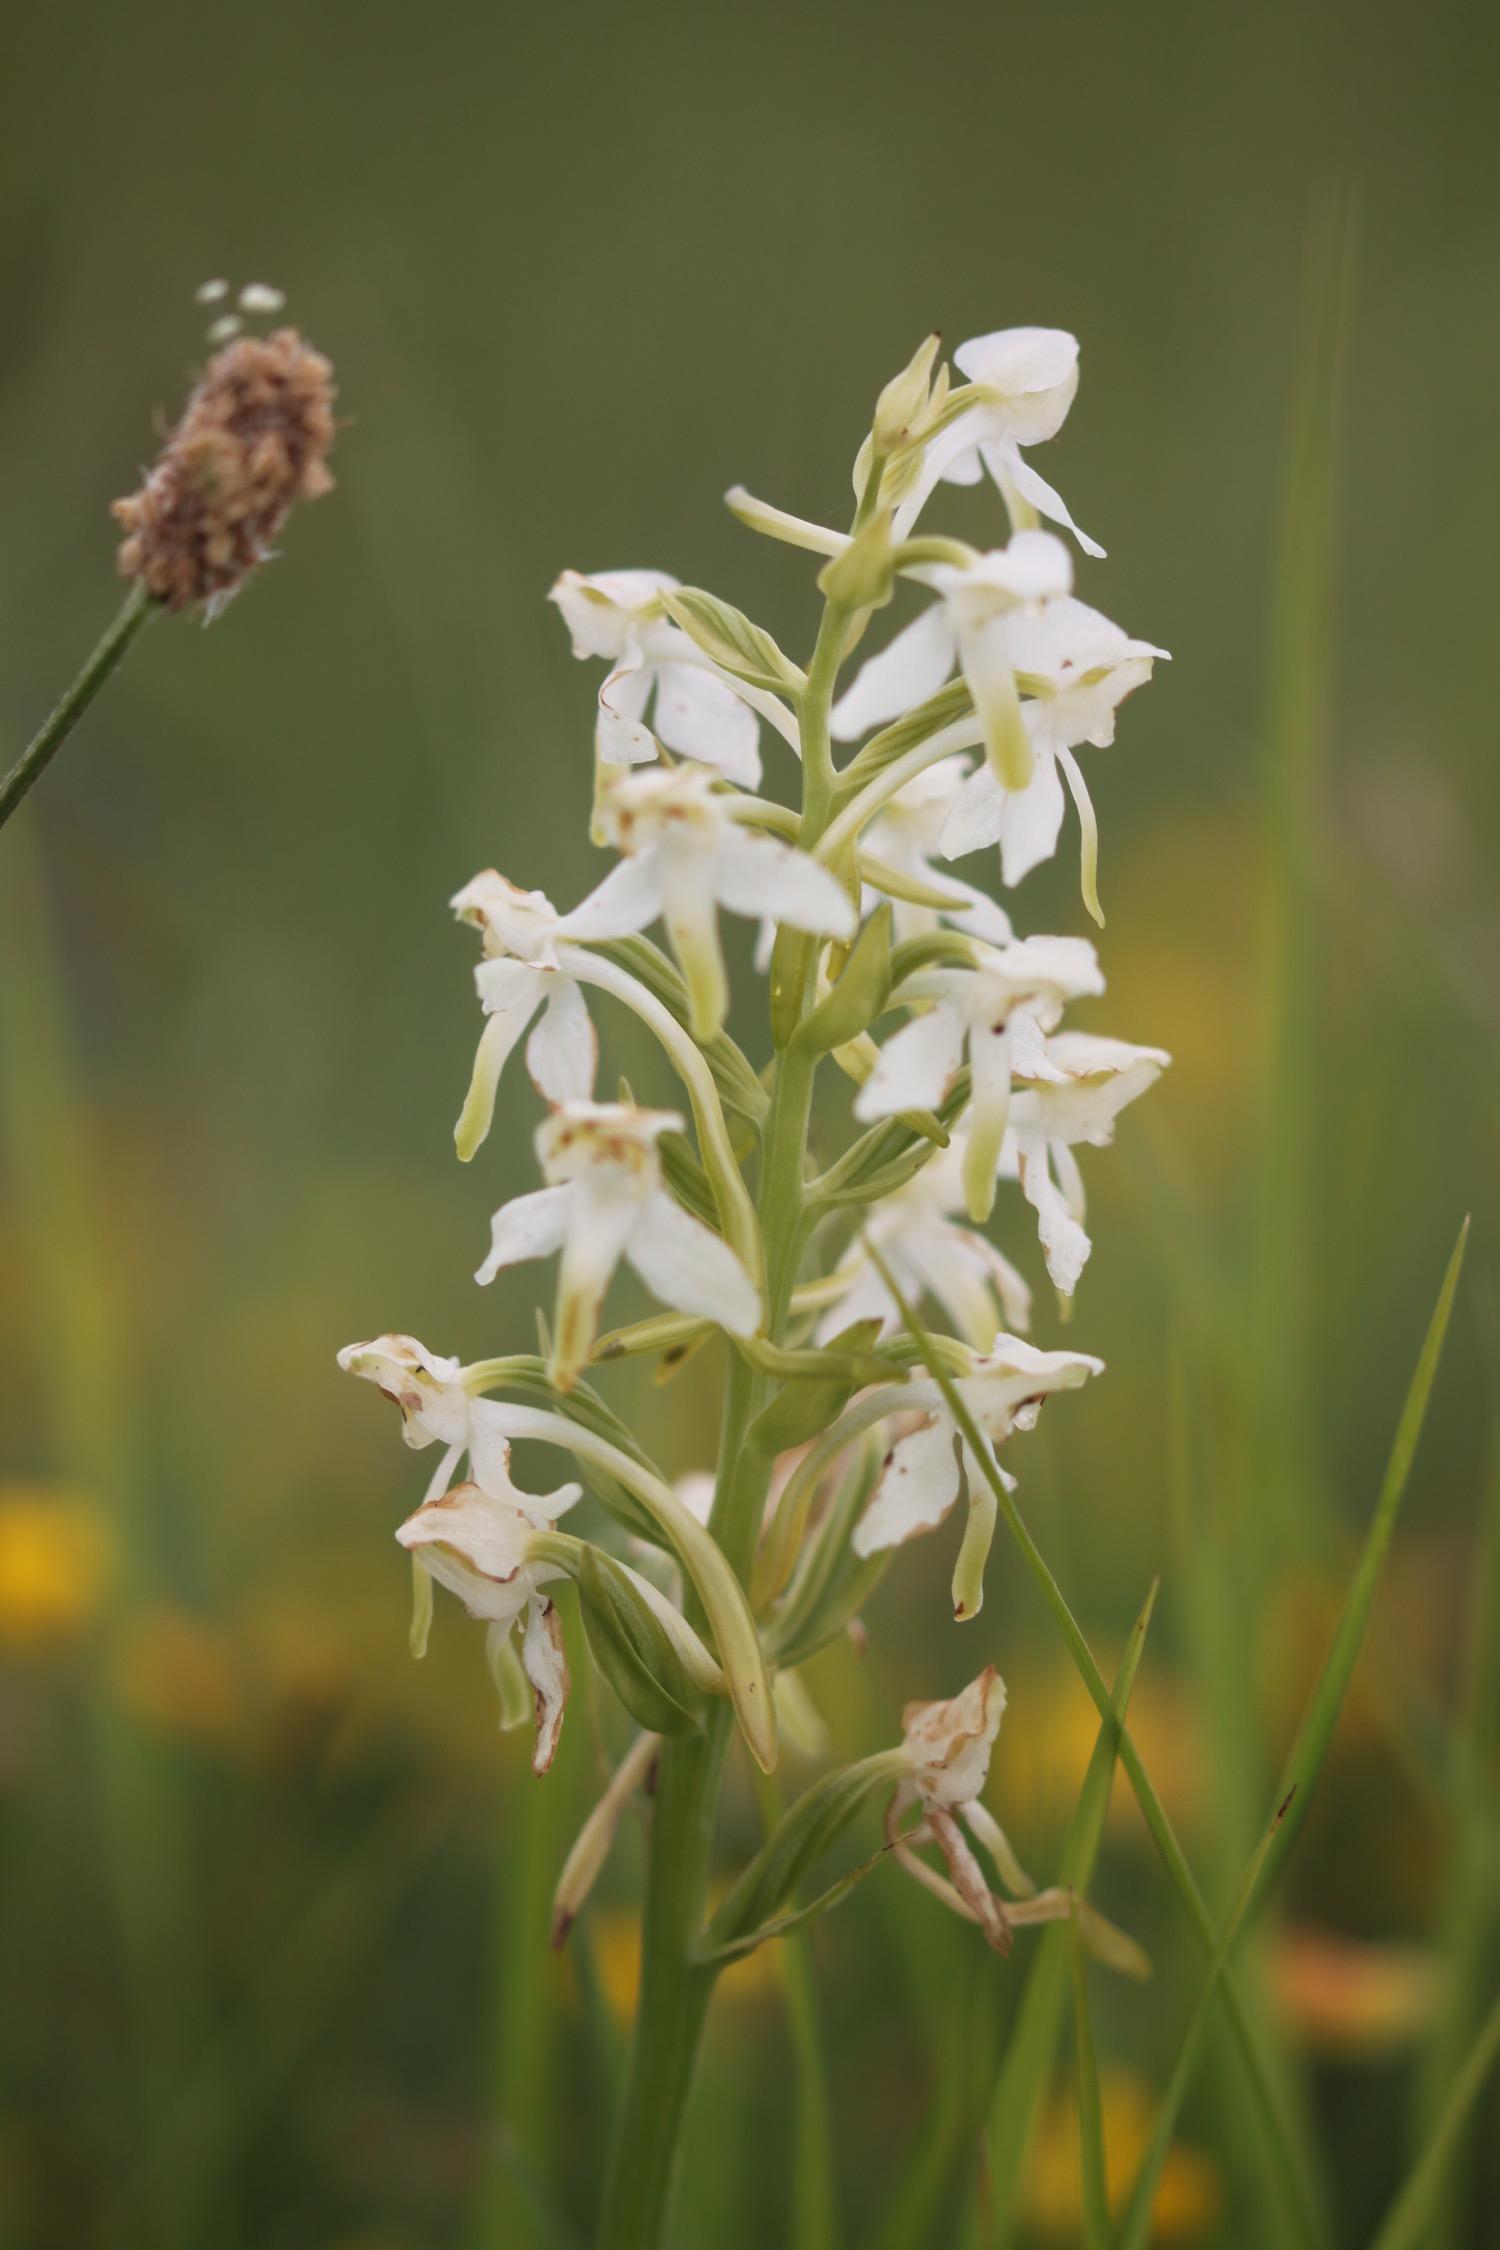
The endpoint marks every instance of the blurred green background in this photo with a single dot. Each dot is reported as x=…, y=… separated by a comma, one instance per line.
x=273, y=1899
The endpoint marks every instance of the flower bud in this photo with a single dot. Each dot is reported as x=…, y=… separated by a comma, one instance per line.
x=252, y=441
x=633, y=1649
x=863, y=576
x=904, y=397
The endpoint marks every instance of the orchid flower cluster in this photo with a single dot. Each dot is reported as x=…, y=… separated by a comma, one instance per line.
x=878, y=1362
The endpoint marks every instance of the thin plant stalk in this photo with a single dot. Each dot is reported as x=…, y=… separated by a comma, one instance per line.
x=135, y=613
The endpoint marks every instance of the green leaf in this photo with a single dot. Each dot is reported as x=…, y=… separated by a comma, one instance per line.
x=808, y=1401
x=883, y=749
x=858, y=997
x=632, y=1648
x=728, y=638
x=1027, y=2067
x=1406, y=2224
x=749, y=1910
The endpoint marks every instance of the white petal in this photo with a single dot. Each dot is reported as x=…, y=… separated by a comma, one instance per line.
x=603, y=1206
x=958, y=1270
x=700, y=716
x=756, y=875
x=917, y=1068
x=866, y=1298
x=1035, y=370
x=974, y=818
x=983, y=917
x=531, y=1226
x=1047, y=502
x=546, y=1665
x=1089, y=834
x=474, y=1546
x=622, y=737
x=626, y=901
x=1031, y=821
x=687, y=1265
x=1065, y=1246
x=562, y=1053
x=910, y=669
x=918, y=1486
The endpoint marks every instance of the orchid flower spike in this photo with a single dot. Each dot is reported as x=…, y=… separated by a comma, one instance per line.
x=1023, y=381
x=1080, y=1085
x=903, y=837
x=972, y=624
x=686, y=854
x=701, y=712
x=1077, y=668
x=519, y=974
x=925, y=1470
x=996, y=1009
x=476, y=1538
x=928, y=1256
x=605, y=1200
x=949, y=1746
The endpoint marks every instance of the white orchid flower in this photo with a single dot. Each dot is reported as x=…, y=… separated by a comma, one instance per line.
x=520, y=974
x=904, y=835
x=701, y=712
x=997, y=1010
x=1078, y=668
x=1082, y=1082
x=947, y=1749
x=605, y=1200
x=949, y=1746
x=686, y=854
x=476, y=1538
x=1024, y=381
x=972, y=626
x=978, y=1288
x=926, y=1469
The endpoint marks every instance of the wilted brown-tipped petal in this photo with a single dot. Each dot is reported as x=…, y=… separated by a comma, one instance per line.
x=253, y=440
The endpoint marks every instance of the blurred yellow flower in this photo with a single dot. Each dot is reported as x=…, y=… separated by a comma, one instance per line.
x=1189, y=2196
x=1041, y=1766
x=174, y=1671
x=56, y=1557
x=1356, y=2001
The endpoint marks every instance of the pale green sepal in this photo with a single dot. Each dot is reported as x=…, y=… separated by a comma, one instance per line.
x=862, y=577
x=968, y=1571
x=421, y=1605
x=903, y=402
x=728, y=638
x=511, y=1683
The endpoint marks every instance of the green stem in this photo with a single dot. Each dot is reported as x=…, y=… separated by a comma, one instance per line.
x=136, y=610
x=676, y=1988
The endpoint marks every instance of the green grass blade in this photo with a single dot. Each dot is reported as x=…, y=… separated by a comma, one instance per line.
x=1286, y=2168
x=814, y=2222
x=1135, y=2227
x=1469, y=1907
x=1015, y=2106
x=1406, y=2224
x=1093, y=2174
x=1311, y=1746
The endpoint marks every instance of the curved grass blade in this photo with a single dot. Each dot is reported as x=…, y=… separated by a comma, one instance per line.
x=1406, y=2224
x=1016, y=2103
x=1316, y=1734
x=1287, y=2170
x=1093, y=2175
x=1135, y=2227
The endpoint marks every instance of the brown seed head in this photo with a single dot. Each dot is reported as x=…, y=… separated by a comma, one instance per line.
x=252, y=441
